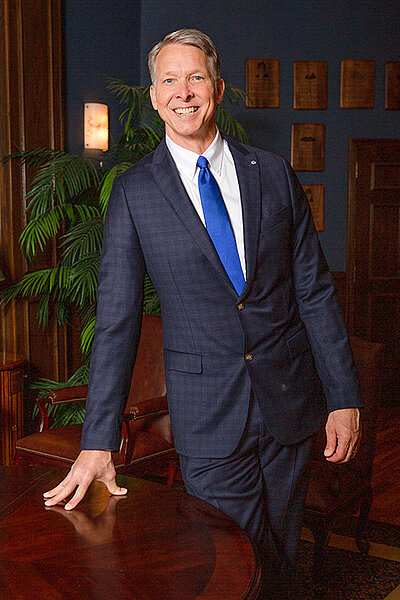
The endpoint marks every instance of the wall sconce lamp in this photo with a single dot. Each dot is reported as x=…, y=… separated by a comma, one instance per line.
x=96, y=126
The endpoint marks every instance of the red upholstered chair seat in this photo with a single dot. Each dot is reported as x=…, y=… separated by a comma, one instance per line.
x=147, y=446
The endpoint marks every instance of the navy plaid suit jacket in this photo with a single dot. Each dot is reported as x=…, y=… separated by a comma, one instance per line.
x=291, y=322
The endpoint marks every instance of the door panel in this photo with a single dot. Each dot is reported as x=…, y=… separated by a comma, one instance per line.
x=373, y=249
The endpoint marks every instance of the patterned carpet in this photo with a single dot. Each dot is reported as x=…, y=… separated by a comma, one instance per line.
x=349, y=575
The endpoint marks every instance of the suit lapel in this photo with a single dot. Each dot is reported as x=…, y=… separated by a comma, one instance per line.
x=165, y=173
x=248, y=172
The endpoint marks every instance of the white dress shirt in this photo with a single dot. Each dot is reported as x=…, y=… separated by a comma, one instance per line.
x=223, y=168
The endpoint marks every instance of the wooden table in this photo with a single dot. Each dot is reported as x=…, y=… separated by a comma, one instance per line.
x=154, y=544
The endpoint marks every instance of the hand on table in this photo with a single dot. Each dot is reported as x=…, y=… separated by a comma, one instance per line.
x=343, y=435
x=90, y=465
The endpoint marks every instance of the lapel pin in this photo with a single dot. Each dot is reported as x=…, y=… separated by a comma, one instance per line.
x=253, y=162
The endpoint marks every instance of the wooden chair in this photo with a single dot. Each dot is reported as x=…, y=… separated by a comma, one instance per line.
x=146, y=448
x=337, y=492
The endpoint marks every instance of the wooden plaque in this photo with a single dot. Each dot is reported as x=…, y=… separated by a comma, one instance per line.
x=262, y=83
x=357, y=84
x=315, y=197
x=392, y=86
x=310, y=84
x=308, y=146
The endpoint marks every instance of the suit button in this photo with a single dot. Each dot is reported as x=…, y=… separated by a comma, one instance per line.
x=240, y=306
x=248, y=357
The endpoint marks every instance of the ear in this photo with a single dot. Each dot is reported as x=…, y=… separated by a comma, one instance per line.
x=220, y=91
x=153, y=97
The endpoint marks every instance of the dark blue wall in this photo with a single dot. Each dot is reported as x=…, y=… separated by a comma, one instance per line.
x=297, y=30
x=113, y=38
x=101, y=39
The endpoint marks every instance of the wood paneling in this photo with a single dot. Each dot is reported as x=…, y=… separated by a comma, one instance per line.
x=30, y=116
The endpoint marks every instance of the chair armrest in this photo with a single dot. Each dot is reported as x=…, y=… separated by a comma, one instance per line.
x=152, y=407
x=147, y=408
x=76, y=393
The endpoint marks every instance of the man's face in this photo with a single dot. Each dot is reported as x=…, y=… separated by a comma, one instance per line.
x=185, y=95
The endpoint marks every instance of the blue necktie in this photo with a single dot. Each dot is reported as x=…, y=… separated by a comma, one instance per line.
x=218, y=224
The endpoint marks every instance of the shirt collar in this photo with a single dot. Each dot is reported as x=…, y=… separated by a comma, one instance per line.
x=186, y=160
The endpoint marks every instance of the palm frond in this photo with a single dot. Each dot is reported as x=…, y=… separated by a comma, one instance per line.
x=87, y=313
x=87, y=335
x=136, y=97
x=33, y=158
x=143, y=128
x=60, y=180
x=84, y=279
x=49, y=286
x=87, y=316
x=128, y=94
x=61, y=310
x=151, y=304
x=37, y=283
x=67, y=414
x=85, y=237
x=43, y=309
x=234, y=95
x=45, y=226
x=108, y=183
x=228, y=124
x=55, y=301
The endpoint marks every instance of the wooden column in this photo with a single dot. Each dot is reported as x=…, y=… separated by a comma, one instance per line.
x=30, y=117
x=11, y=404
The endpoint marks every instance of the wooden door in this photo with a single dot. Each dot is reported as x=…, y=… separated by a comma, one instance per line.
x=373, y=249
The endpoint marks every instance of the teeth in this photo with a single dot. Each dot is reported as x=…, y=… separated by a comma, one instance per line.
x=185, y=111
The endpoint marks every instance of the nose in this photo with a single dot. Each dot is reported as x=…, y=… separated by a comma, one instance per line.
x=183, y=90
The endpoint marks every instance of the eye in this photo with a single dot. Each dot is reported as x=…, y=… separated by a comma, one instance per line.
x=169, y=80
x=197, y=77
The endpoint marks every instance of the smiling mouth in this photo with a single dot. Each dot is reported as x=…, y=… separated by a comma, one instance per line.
x=186, y=110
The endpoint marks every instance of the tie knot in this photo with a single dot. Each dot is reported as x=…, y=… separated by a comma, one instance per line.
x=202, y=162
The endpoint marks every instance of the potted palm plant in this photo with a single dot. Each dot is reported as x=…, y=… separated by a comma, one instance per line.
x=68, y=200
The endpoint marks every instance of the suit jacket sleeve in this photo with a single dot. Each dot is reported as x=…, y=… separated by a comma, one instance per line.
x=319, y=307
x=118, y=323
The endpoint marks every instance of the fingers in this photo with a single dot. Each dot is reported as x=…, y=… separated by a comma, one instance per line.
x=355, y=448
x=64, y=491
x=114, y=489
x=343, y=434
x=60, y=492
x=77, y=497
x=331, y=442
x=344, y=450
x=54, y=491
x=90, y=465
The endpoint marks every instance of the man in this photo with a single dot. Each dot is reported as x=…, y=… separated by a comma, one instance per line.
x=249, y=313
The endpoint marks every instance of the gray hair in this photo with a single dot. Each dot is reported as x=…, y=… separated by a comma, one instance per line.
x=189, y=37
